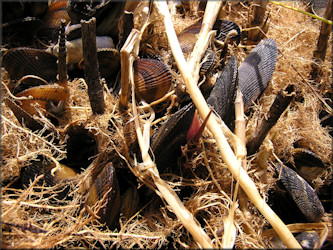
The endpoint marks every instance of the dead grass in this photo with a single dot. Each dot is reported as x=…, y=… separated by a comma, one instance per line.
x=31, y=221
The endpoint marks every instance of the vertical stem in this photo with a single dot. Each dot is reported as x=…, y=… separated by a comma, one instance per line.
x=91, y=70
x=240, y=127
x=325, y=31
x=279, y=105
x=62, y=63
x=130, y=46
x=255, y=35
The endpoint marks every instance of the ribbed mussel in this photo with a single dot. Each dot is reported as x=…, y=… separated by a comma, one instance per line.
x=23, y=61
x=105, y=189
x=256, y=71
x=188, y=37
x=167, y=141
x=302, y=194
x=152, y=79
x=53, y=174
x=308, y=164
x=251, y=77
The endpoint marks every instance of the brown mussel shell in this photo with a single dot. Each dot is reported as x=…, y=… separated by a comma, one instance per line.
x=47, y=96
x=106, y=183
x=56, y=12
x=188, y=37
x=24, y=118
x=20, y=62
x=152, y=79
x=256, y=71
x=302, y=193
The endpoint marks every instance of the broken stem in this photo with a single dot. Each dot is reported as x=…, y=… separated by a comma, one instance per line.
x=281, y=102
x=91, y=70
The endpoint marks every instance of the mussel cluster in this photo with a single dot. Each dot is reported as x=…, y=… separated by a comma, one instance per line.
x=35, y=35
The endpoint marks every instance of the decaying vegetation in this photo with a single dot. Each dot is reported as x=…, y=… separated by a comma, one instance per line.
x=35, y=218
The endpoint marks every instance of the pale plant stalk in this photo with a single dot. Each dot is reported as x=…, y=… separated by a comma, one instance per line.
x=227, y=154
x=240, y=128
x=168, y=194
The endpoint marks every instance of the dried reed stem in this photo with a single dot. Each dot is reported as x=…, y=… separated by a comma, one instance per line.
x=281, y=102
x=240, y=128
x=255, y=35
x=168, y=194
x=126, y=66
x=203, y=39
x=227, y=154
x=91, y=70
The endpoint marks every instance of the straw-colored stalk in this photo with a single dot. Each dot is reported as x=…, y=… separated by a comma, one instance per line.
x=148, y=166
x=227, y=154
x=240, y=131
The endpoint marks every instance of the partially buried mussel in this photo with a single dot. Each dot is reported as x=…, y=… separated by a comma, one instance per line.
x=298, y=192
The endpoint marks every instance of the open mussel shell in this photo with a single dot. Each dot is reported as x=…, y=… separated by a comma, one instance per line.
x=20, y=62
x=109, y=63
x=24, y=118
x=53, y=175
x=307, y=240
x=167, y=141
x=223, y=93
x=308, y=164
x=152, y=79
x=52, y=98
x=81, y=147
x=106, y=186
x=27, y=82
x=256, y=71
x=223, y=27
x=302, y=194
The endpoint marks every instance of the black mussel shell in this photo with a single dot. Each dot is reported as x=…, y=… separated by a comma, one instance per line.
x=307, y=240
x=208, y=63
x=223, y=27
x=81, y=147
x=302, y=193
x=20, y=62
x=109, y=63
x=20, y=32
x=256, y=71
x=223, y=93
x=62, y=175
x=167, y=141
x=308, y=164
